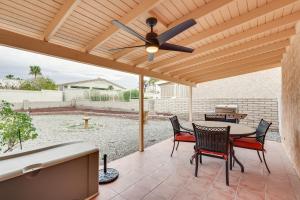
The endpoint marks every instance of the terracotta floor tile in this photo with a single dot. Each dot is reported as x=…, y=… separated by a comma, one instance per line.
x=154, y=175
x=245, y=193
x=216, y=194
x=135, y=192
x=118, y=197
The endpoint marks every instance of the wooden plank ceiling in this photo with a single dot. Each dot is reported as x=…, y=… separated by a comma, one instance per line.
x=231, y=37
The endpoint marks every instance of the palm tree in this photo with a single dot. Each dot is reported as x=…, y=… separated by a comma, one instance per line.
x=152, y=81
x=35, y=70
x=10, y=76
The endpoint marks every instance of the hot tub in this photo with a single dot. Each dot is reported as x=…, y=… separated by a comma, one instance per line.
x=66, y=171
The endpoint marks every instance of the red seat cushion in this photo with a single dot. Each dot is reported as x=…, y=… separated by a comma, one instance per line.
x=223, y=155
x=185, y=137
x=248, y=143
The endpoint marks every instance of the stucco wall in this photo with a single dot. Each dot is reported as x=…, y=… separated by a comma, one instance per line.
x=291, y=101
x=261, y=84
x=18, y=96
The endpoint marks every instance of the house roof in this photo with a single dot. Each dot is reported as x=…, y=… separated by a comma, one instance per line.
x=231, y=37
x=92, y=80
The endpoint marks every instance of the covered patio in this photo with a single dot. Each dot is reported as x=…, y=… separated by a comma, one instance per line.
x=230, y=38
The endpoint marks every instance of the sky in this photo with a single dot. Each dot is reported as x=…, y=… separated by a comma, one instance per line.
x=17, y=62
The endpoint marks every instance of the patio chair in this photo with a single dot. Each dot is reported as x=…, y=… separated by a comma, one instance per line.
x=255, y=142
x=212, y=142
x=181, y=134
x=215, y=117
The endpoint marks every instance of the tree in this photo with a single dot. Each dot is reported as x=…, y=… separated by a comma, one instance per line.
x=110, y=87
x=10, y=76
x=35, y=70
x=15, y=127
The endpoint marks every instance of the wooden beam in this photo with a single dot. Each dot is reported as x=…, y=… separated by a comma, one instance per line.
x=65, y=11
x=236, y=67
x=19, y=41
x=248, y=45
x=164, y=66
x=141, y=8
x=231, y=58
x=195, y=14
x=252, y=69
x=141, y=113
x=234, y=64
x=258, y=12
x=239, y=68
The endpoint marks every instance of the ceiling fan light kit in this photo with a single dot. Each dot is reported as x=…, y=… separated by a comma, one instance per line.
x=153, y=41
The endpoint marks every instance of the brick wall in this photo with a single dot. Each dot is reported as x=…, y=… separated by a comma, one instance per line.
x=256, y=108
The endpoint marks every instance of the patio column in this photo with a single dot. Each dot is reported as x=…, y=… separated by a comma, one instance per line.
x=190, y=103
x=141, y=113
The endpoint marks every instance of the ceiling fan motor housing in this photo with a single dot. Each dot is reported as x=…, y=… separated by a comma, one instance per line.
x=151, y=37
x=151, y=21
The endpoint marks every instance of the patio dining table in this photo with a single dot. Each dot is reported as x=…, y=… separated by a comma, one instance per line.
x=236, y=130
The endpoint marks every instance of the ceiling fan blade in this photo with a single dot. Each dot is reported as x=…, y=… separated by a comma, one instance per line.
x=150, y=57
x=116, y=49
x=174, y=47
x=167, y=35
x=129, y=30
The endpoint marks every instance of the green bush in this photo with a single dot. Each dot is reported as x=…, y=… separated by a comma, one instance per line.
x=130, y=94
x=28, y=85
x=134, y=94
x=40, y=83
x=15, y=127
x=46, y=83
x=126, y=95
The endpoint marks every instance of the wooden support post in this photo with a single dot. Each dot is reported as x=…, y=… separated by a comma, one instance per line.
x=190, y=103
x=141, y=113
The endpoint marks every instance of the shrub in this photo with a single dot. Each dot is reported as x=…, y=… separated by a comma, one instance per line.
x=134, y=94
x=130, y=94
x=46, y=83
x=40, y=83
x=15, y=127
x=126, y=95
x=28, y=85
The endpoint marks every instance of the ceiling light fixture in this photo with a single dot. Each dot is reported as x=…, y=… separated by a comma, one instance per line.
x=152, y=49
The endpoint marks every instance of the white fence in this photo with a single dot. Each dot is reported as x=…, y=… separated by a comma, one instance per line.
x=19, y=96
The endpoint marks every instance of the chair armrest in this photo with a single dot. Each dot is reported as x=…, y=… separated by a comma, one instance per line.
x=188, y=130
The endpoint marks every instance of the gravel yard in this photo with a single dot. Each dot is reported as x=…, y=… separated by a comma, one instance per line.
x=115, y=136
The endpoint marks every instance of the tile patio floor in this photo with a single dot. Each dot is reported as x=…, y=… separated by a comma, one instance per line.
x=154, y=175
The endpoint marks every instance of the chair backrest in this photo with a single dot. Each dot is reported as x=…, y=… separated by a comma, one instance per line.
x=262, y=130
x=215, y=117
x=175, y=124
x=215, y=139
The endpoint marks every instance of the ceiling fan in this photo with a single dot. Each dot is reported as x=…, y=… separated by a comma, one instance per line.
x=153, y=41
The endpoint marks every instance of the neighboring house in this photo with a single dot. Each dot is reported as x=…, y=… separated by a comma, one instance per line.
x=172, y=90
x=88, y=88
x=94, y=84
x=262, y=84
